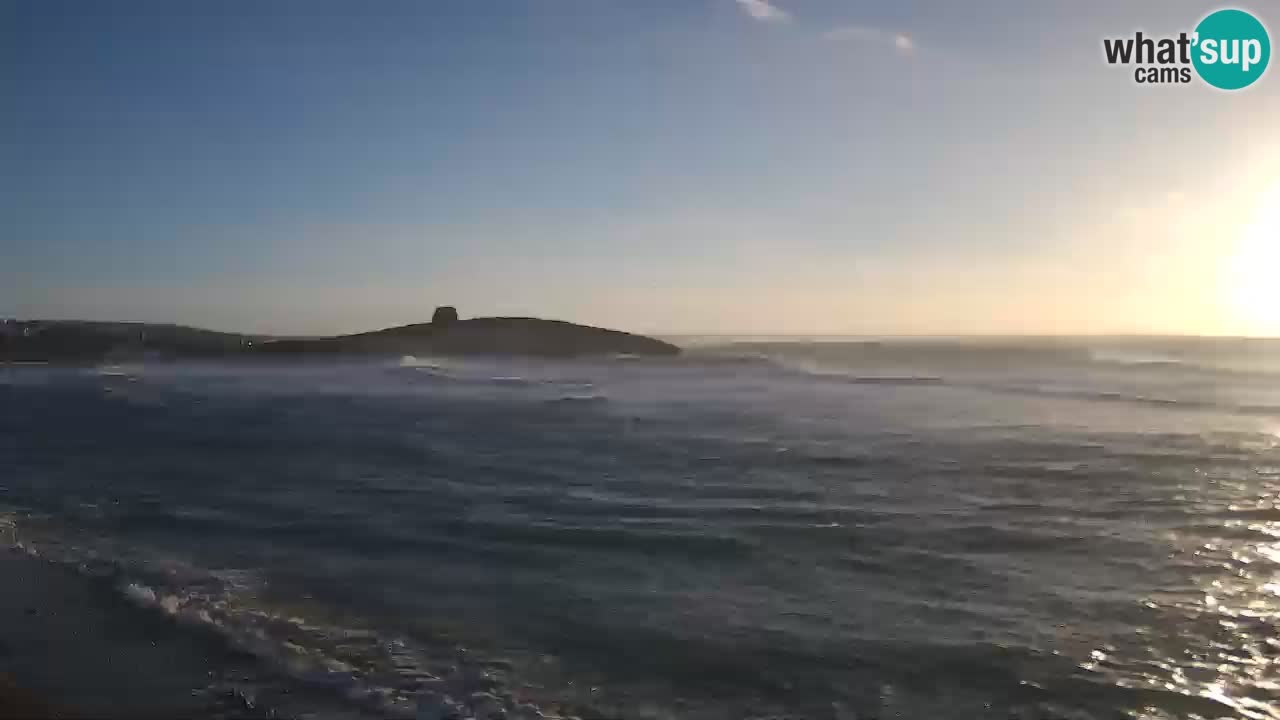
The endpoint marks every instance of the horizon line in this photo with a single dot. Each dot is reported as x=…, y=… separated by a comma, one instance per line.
x=725, y=335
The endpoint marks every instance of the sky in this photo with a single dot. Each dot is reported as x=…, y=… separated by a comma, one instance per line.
x=812, y=167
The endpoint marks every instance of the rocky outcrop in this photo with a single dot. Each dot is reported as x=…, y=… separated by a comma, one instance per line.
x=482, y=336
x=85, y=342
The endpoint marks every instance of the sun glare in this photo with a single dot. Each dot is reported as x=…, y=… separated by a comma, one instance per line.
x=1253, y=280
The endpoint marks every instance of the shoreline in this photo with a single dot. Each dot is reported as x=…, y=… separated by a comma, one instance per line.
x=71, y=647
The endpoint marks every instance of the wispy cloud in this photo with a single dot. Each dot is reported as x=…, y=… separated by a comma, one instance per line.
x=901, y=42
x=763, y=10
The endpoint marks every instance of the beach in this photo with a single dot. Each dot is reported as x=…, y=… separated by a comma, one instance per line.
x=72, y=647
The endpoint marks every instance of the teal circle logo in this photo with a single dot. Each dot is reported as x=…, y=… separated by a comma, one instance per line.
x=1232, y=49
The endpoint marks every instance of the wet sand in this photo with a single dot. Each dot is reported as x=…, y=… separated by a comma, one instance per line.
x=71, y=647
x=17, y=703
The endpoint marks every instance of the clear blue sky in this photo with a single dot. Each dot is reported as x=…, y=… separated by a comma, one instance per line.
x=808, y=166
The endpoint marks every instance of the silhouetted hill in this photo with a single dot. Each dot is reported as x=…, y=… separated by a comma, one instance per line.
x=79, y=341
x=491, y=336
x=82, y=341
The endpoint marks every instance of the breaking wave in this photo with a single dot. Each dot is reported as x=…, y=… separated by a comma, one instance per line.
x=364, y=668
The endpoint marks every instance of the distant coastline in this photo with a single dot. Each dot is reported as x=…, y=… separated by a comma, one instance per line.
x=75, y=342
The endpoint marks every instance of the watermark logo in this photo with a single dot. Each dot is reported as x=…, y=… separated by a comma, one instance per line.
x=1234, y=49
x=1229, y=49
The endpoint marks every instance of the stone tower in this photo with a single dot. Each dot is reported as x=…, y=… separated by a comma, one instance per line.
x=444, y=315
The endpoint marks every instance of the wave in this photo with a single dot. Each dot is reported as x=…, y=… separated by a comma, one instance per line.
x=1133, y=358
x=571, y=398
x=1200, y=356
x=362, y=668
x=1113, y=396
x=411, y=361
x=720, y=356
x=895, y=380
x=510, y=380
x=424, y=367
x=1031, y=389
x=853, y=379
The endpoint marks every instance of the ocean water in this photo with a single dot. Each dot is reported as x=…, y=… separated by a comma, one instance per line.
x=903, y=529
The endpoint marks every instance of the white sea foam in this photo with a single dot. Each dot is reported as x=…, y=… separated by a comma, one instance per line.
x=388, y=675
x=411, y=361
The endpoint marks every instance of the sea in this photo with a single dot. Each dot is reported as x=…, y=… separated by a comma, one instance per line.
x=1006, y=529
